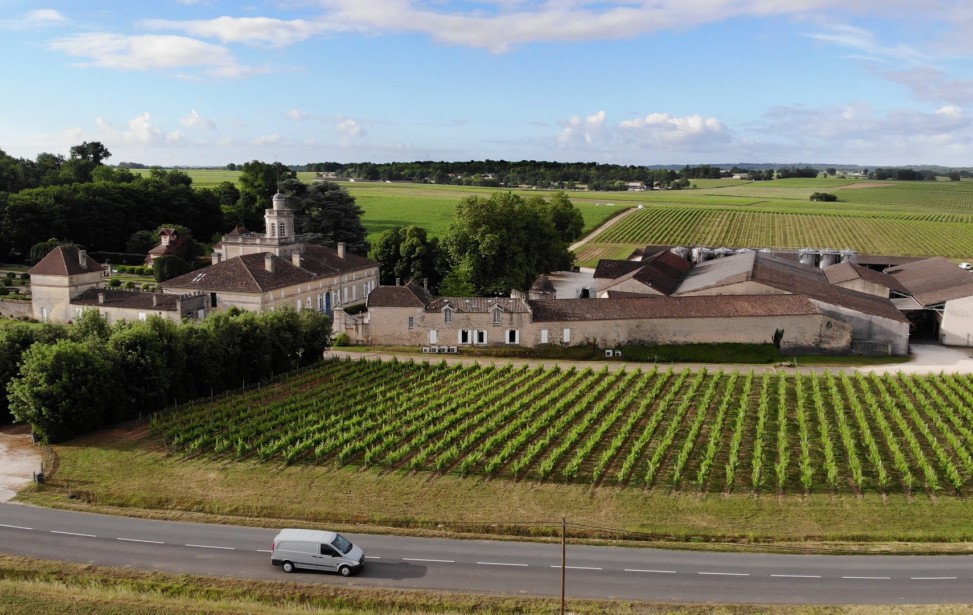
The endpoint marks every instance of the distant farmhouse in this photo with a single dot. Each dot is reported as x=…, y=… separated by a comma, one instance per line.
x=250, y=271
x=663, y=298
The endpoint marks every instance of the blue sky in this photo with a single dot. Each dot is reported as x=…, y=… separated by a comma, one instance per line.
x=209, y=82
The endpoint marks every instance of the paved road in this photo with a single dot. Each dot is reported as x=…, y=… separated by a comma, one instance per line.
x=496, y=567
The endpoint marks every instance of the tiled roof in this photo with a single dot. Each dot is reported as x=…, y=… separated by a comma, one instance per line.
x=324, y=261
x=933, y=280
x=612, y=269
x=787, y=276
x=846, y=272
x=135, y=300
x=479, y=305
x=65, y=260
x=631, y=308
x=410, y=295
x=246, y=274
x=662, y=271
x=543, y=284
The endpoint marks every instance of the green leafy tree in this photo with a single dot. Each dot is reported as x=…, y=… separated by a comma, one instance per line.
x=85, y=158
x=141, y=242
x=143, y=360
x=15, y=339
x=168, y=266
x=64, y=389
x=326, y=214
x=407, y=253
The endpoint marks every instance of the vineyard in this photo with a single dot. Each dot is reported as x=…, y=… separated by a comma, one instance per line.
x=687, y=431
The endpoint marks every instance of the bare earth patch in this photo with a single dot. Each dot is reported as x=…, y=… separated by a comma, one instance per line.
x=19, y=459
x=860, y=185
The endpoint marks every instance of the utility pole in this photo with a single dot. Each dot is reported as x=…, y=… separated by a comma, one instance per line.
x=564, y=524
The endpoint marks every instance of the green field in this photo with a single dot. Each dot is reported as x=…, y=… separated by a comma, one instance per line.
x=699, y=432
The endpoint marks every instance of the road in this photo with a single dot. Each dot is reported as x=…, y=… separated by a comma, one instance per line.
x=496, y=567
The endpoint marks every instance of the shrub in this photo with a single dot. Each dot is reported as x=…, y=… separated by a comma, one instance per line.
x=11, y=275
x=342, y=339
x=114, y=283
x=129, y=285
x=25, y=276
x=4, y=291
x=824, y=196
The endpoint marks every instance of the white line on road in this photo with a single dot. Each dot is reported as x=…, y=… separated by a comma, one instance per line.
x=654, y=571
x=499, y=564
x=151, y=542
x=933, y=578
x=15, y=527
x=73, y=534
x=726, y=574
x=212, y=547
x=264, y=551
x=372, y=557
x=796, y=576
x=438, y=561
x=578, y=567
x=869, y=578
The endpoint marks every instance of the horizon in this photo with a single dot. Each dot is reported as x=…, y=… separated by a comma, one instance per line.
x=205, y=83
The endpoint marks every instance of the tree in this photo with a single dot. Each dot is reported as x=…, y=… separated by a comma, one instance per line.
x=503, y=242
x=15, y=339
x=141, y=242
x=831, y=171
x=326, y=214
x=823, y=196
x=168, y=266
x=406, y=253
x=84, y=159
x=64, y=389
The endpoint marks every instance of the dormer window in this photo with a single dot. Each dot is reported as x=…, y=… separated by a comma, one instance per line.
x=448, y=315
x=496, y=315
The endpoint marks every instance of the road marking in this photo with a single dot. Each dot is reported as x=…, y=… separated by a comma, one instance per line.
x=499, y=564
x=438, y=561
x=578, y=567
x=796, y=576
x=151, y=542
x=264, y=551
x=869, y=578
x=212, y=547
x=654, y=571
x=933, y=578
x=373, y=557
x=15, y=527
x=726, y=574
x=73, y=534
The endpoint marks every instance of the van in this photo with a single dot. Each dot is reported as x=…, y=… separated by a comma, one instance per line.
x=315, y=550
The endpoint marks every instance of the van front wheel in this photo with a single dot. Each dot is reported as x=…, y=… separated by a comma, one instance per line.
x=344, y=571
x=287, y=567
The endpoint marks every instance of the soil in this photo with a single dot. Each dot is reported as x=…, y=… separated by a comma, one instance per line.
x=19, y=460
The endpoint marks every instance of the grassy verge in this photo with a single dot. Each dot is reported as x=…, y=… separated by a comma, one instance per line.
x=110, y=472
x=33, y=586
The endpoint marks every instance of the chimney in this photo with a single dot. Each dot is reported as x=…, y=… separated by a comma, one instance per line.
x=83, y=259
x=296, y=259
x=269, y=262
x=398, y=281
x=341, y=249
x=101, y=297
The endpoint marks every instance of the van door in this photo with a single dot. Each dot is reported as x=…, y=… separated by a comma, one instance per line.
x=329, y=558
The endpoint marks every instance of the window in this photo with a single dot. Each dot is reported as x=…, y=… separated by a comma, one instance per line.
x=346, y=294
x=298, y=305
x=273, y=230
x=320, y=302
x=448, y=315
x=464, y=336
x=412, y=322
x=566, y=336
x=283, y=229
x=545, y=336
x=480, y=337
x=307, y=303
x=513, y=336
x=496, y=316
x=141, y=315
x=212, y=300
x=433, y=337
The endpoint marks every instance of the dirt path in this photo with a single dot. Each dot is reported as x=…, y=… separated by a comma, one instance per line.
x=601, y=228
x=19, y=459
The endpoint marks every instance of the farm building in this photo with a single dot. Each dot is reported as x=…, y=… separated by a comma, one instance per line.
x=67, y=282
x=260, y=272
x=937, y=297
x=661, y=299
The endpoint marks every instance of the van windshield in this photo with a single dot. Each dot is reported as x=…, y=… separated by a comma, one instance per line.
x=341, y=543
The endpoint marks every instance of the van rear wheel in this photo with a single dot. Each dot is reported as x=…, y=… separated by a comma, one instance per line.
x=287, y=567
x=344, y=571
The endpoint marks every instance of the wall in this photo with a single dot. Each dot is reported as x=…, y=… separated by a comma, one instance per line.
x=742, y=288
x=881, y=332
x=54, y=293
x=16, y=309
x=956, y=328
x=868, y=288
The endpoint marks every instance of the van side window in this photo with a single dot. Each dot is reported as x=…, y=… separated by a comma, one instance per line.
x=327, y=550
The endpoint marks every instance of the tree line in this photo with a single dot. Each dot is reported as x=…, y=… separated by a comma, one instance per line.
x=69, y=380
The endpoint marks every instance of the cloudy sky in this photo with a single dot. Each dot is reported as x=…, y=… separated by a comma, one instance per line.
x=209, y=82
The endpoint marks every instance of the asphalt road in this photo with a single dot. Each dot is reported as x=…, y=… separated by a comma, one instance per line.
x=496, y=567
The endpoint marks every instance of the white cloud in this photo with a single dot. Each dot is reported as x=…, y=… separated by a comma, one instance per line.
x=267, y=139
x=662, y=129
x=867, y=47
x=349, y=129
x=195, y=120
x=151, y=52
x=140, y=130
x=298, y=115
x=34, y=20
x=587, y=130
x=259, y=30
x=932, y=84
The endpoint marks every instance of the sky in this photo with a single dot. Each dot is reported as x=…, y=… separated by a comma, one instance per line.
x=643, y=82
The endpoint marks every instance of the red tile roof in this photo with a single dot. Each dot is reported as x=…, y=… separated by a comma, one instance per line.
x=933, y=280
x=246, y=274
x=65, y=260
x=410, y=295
x=632, y=308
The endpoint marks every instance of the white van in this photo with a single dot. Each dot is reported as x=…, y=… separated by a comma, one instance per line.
x=315, y=550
